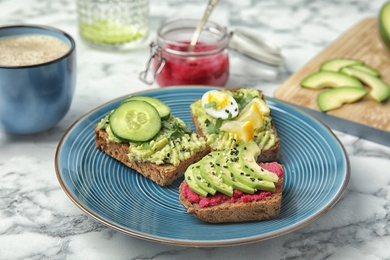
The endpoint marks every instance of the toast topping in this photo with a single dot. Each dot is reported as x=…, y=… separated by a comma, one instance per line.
x=225, y=133
x=228, y=170
x=170, y=143
x=238, y=195
x=219, y=104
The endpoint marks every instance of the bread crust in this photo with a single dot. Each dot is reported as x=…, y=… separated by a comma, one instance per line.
x=268, y=208
x=266, y=155
x=163, y=174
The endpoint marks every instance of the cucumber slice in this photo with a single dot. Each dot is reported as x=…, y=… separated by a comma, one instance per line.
x=135, y=121
x=163, y=109
x=334, y=98
x=336, y=64
x=324, y=79
x=379, y=90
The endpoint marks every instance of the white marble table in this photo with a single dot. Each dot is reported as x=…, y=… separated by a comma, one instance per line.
x=37, y=219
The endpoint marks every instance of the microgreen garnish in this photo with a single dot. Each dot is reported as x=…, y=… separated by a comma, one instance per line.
x=213, y=128
x=175, y=129
x=242, y=100
x=211, y=104
x=230, y=116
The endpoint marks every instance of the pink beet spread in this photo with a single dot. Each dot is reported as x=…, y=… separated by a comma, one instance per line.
x=211, y=70
x=238, y=196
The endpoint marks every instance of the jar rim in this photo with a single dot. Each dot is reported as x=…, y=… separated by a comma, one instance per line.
x=183, y=47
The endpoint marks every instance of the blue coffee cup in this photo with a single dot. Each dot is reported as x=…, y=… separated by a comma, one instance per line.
x=34, y=98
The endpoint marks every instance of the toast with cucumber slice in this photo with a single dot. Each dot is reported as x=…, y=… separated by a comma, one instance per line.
x=142, y=134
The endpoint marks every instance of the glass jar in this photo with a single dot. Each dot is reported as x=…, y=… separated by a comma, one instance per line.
x=175, y=62
x=113, y=24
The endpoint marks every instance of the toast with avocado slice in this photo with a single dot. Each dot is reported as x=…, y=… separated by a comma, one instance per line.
x=143, y=135
x=213, y=120
x=229, y=186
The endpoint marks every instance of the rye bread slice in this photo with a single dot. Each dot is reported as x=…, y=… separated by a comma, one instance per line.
x=268, y=208
x=267, y=155
x=163, y=174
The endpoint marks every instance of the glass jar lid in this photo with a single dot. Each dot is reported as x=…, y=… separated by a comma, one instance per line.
x=255, y=47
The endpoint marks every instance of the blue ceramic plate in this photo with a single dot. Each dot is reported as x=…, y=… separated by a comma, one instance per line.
x=316, y=174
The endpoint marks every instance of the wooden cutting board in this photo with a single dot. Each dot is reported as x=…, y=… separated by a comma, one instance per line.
x=360, y=42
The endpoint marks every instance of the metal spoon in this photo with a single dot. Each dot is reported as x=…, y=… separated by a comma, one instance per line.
x=207, y=12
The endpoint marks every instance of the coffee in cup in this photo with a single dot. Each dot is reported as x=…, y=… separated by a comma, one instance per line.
x=25, y=50
x=37, y=77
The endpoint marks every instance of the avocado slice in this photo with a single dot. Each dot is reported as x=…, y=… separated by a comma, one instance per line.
x=367, y=69
x=334, y=98
x=324, y=79
x=249, y=180
x=336, y=64
x=202, y=183
x=248, y=152
x=208, y=172
x=221, y=168
x=384, y=24
x=379, y=90
x=190, y=179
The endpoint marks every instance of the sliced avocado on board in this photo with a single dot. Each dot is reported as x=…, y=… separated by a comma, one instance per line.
x=384, y=24
x=379, y=90
x=367, y=69
x=334, y=98
x=324, y=79
x=337, y=63
x=332, y=74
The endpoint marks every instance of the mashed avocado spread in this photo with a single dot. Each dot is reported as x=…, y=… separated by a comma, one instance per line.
x=174, y=143
x=220, y=140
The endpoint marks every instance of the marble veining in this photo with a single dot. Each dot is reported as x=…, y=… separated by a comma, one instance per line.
x=37, y=219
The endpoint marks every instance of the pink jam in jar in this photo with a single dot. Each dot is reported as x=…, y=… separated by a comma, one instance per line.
x=176, y=62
